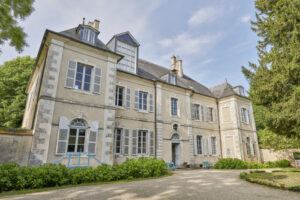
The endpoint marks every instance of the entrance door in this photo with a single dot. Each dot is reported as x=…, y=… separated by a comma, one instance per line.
x=176, y=153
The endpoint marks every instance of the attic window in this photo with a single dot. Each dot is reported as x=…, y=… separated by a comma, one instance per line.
x=172, y=79
x=87, y=35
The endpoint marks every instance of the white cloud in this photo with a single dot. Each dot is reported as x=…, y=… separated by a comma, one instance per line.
x=245, y=18
x=205, y=15
x=206, y=61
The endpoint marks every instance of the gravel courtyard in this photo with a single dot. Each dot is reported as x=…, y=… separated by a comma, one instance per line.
x=183, y=185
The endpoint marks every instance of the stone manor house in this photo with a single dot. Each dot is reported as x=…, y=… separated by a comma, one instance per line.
x=87, y=96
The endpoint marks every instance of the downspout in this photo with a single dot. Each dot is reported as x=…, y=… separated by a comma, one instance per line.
x=155, y=143
x=221, y=152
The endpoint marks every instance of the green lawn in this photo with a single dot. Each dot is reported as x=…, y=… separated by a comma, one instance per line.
x=285, y=179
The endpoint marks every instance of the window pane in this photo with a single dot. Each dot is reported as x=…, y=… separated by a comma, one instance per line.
x=86, y=87
x=88, y=71
x=73, y=132
x=79, y=68
x=72, y=140
x=71, y=148
x=81, y=140
x=78, y=85
x=80, y=148
x=81, y=132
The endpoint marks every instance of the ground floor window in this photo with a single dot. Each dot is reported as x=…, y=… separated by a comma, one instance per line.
x=142, y=141
x=77, y=136
x=248, y=148
x=199, y=144
x=118, y=142
x=213, y=145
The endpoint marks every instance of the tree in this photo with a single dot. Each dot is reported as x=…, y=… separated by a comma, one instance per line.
x=275, y=80
x=13, y=82
x=11, y=11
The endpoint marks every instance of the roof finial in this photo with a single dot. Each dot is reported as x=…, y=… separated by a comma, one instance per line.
x=83, y=20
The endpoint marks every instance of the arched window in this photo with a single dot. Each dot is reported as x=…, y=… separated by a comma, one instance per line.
x=175, y=136
x=77, y=135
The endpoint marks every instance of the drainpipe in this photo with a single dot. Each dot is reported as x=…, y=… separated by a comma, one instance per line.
x=221, y=152
x=155, y=143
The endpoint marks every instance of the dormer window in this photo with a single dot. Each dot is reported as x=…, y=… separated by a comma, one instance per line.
x=239, y=90
x=172, y=79
x=87, y=35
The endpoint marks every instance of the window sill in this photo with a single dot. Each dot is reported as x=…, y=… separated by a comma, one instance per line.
x=143, y=111
x=83, y=91
x=120, y=107
x=175, y=116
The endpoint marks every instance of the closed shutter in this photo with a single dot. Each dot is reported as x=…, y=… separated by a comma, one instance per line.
x=97, y=80
x=151, y=103
x=195, y=145
x=127, y=97
x=193, y=111
x=151, y=143
x=134, y=142
x=214, y=114
x=62, y=139
x=126, y=142
x=136, y=99
x=70, y=79
x=92, y=142
x=248, y=116
x=204, y=148
x=207, y=113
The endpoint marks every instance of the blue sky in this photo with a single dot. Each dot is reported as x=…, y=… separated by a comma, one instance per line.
x=212, y=37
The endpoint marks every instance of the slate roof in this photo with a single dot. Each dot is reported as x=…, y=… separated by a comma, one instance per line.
x=222, y=90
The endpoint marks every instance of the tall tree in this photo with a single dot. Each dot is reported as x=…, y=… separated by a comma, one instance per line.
x=13, y=82
x=11, y=11
x=275, y=80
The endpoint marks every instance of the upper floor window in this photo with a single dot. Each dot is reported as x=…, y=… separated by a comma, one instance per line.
x=245, y=115
x=174, y=110
x=87, y=35
x=172, y=79
x=195, y=112
x=83, y=77
x=128, y=62
x=119, y=96
x=142, y=100
x=210, y=114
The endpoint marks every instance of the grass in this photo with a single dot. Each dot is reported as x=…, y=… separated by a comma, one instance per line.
x=284, y=179
x=28, y=191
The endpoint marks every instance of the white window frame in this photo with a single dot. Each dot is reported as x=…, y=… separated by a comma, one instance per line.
x=172, y=79
x=171, y=107
x=201, y=146
x=244, y=118
x=248, y=148
x=141, y=108
x=117, y=96
x=213, y=140
x=83, y=77
x=196, y=117
x=115, y=140
x=142, y=145
x=210, y=113
x=77, y=128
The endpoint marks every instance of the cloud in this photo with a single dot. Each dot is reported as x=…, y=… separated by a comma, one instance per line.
x=245, y=18
x=205, y=15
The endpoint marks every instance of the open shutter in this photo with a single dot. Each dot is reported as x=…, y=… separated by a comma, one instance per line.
x=136, y=99
x=217, y=146
x=193, y=111
x=97, y=80
x=248, y=116
x=70, y=79
x=209, y=146
x=201, y=113
x=62, y=139
x=134, y=142
x=127, y=97
x=204, y=149
x=207, y=113
x=241, y=114
x=151, y=143
x=214, y=114
x=151, y=103
x=126, y=142
x=92, y=142
x=195, y=145
x=251, y=149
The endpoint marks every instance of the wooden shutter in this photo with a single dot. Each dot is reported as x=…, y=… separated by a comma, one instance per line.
x=251, y=148
x=97, y=80
x=209, y=146
x=70, y=78
x=136, y=99
x=207, y=113
x=214, y=114
x=151, y=103
x=62, y=138
x=126, y=142
x=134, y=142
x=248, y=116
x=201, y=113
x=127, y=97
x=195, y=145
x=217, y=146
x=151, y=139
x=193, y=111
x=92, y=142
x=204, y=151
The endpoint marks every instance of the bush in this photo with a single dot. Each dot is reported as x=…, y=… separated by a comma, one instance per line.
x=15, y=177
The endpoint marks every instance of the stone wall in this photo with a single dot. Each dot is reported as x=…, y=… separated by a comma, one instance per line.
x=271, y=155
x=15, y=145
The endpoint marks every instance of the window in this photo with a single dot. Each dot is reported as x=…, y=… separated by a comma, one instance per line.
x=174, y=106
x=213, y=145
x=142, y=141
x=87, y=35
x=175, y=127
x=83, y=77
x=248, y=148
x=128, y=62
x=254, y=149
x=118, y=142
x=244, y=115
x=77, y=136
x=142, y=100
x=172, y=79
x=119, y=96
x=199, y=144
x=210, y=114
x=195, y=110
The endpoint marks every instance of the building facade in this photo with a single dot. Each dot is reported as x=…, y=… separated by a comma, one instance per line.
x=85, y=96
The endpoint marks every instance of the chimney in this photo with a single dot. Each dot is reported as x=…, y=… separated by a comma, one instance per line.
x=173, y=63
x=179, y=68
x=94, y=24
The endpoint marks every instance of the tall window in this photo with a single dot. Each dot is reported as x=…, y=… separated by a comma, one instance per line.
x=83, y=77
x=119, y=96
x=199, y=144
x=244, y=115
x=77, y=136
x=87, y=35
x=248, y=148
x=195, y=110
x=129, y=60
x=172, y=79
x=174, y=102
x=142, y=141
x=210, y=114
x=213, y=145
x=142, y=100
x=118, y=142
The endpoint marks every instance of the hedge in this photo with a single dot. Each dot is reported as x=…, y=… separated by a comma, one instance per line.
x=234, y=163
x=16, y=177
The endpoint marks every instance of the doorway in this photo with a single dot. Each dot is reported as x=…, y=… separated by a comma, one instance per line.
x=176, y=153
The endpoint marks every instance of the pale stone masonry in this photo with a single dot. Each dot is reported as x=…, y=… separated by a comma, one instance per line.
x=85, y=96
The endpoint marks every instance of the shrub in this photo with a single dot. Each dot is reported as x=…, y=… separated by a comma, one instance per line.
x=283, y=163
x=230, y=163
x=15, y=177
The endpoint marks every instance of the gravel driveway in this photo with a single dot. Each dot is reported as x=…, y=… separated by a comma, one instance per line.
x=183, y=185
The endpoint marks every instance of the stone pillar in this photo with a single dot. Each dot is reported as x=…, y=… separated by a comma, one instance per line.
x=238, y=135
x=255, y=133
x=159, y=124
x=190, y=129
x=45, y=108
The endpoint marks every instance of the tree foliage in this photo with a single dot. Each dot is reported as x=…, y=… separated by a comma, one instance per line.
x=13, y=82
x=275, y=80
x=12, y=11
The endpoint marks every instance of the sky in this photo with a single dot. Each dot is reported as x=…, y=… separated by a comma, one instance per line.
x=213, y=38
